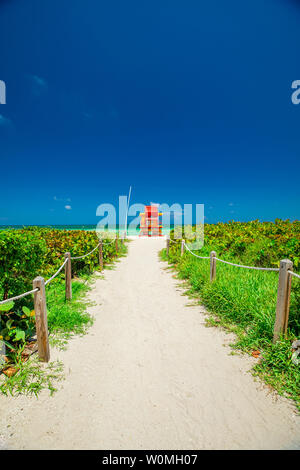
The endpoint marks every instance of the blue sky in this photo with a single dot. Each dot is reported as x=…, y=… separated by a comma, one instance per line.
x=187, y=101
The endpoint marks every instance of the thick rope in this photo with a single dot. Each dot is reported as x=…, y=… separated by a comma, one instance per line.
x=57, y=272
x=52, y=277
x=19, y=296
x=247, y=267
x=294, y=274
x=113, y=240
x=194, y=254
x=84, y=256
x=237, y=265
x=36, y=289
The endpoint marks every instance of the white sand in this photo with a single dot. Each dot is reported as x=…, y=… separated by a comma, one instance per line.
x=150, y=375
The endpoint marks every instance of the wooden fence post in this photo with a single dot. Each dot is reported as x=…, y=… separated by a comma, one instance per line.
x=41, y=321
x=117, y=246
x=283, y=299
x=213, y=265
x=168, y=246
x=68, y=276
x=182, y=247
x=101, y=254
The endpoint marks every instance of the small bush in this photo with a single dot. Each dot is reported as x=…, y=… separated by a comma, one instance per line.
x=22, y=255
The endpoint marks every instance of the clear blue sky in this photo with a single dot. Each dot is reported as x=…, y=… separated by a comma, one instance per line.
x=188, y=101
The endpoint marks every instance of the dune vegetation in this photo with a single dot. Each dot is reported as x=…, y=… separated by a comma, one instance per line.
x=244, y=301
x=30, y=252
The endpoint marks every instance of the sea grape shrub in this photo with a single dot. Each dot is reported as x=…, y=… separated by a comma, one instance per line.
x=22, y=255
x=33, y=251
x=16, y=325
x=109, y=250
x=78, y=243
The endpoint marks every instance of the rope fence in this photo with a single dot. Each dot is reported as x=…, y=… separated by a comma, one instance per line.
x=284, y=284
x=294, y=274
x=38, y=290
x=57, y=273
x=88, y=254
x=247, y=267
x=194, y=254
x=17, y=297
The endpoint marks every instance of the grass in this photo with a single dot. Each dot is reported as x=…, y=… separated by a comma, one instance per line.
x=67, y=318
x=32, y=378
x=244, y=301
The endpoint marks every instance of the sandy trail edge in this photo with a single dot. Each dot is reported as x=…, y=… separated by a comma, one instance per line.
x=150, y=375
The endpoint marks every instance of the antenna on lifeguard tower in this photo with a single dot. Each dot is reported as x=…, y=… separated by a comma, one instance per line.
x=129, y=194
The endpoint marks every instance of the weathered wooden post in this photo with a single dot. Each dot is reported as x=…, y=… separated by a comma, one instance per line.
x=213, y=265
x=117, y=246
x=283, y=299
x=168, y=246
x=101, y=254
x=68, y=276
x=182, y=247
x=41, y=322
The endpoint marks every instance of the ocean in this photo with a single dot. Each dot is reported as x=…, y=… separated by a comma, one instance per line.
x=88, y=227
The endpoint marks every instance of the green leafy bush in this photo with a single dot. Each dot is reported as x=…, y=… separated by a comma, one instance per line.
x=16, y=325
x=22, y=255
x=33, y=251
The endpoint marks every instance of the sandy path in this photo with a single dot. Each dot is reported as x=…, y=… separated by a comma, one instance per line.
x=150, y=375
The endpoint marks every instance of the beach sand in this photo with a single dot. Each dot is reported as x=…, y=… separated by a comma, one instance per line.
x=150, y=375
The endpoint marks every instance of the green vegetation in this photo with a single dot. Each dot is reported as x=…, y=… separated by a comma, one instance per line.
x=244, y=301
x=24, y=254
x=33, y=251
x=32, y=378
x=67, y=318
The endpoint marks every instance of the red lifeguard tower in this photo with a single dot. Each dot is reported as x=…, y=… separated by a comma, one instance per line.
x=149, y=225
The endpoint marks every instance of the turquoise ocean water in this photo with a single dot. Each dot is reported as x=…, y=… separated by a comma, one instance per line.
x=120, y=229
